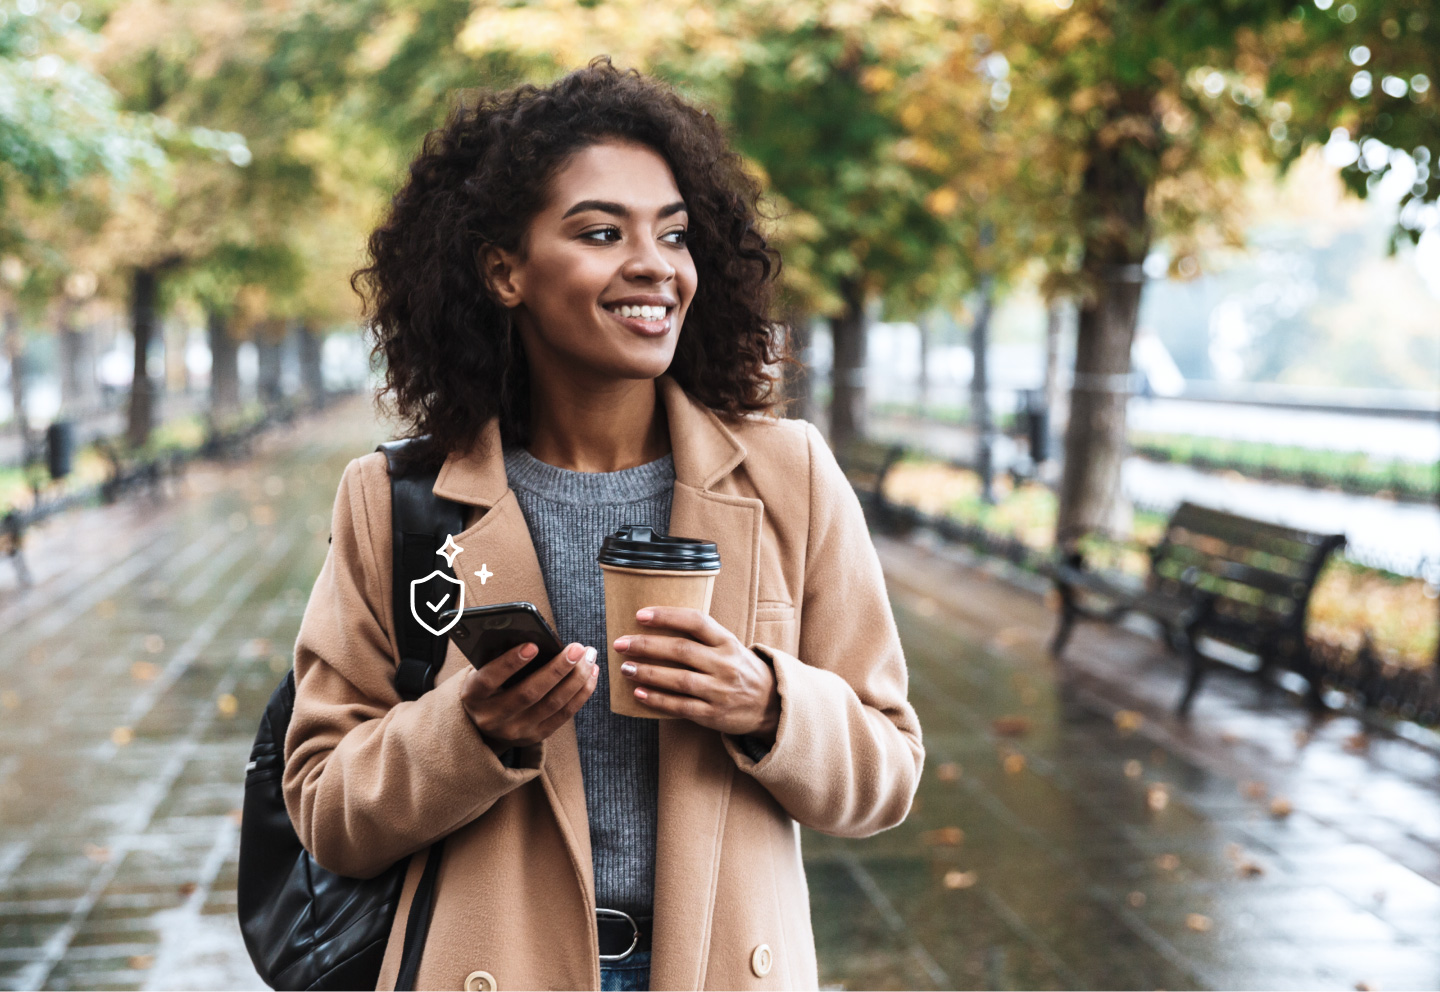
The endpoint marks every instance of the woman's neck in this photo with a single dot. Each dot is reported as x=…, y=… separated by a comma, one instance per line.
x=603, y=429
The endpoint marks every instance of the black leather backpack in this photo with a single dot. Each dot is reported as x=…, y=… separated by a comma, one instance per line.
x=305, y=927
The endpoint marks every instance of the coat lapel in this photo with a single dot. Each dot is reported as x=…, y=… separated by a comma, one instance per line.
x=695, y=771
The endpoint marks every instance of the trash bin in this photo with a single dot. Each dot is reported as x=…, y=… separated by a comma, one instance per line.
x=60, y=448
x=1037, y=425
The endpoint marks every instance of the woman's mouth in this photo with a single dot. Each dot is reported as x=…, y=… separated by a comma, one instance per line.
x=647, y=320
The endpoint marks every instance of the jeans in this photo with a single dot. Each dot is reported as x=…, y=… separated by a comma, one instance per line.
x=630, y=975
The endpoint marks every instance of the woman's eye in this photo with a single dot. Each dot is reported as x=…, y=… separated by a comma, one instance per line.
x=601, y=230
x=680, y=236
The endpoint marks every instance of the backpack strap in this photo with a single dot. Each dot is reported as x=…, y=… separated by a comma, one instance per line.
x=419, y=523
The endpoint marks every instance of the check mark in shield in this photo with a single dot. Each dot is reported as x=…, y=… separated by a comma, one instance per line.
x=428, y=601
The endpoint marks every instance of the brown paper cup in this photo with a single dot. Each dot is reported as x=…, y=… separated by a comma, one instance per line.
x=629, y=590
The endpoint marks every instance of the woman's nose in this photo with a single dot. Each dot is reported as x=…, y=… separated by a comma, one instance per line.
x=648, y=263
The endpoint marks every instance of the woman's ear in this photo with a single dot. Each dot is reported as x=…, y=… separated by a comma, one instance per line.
x=497, y=269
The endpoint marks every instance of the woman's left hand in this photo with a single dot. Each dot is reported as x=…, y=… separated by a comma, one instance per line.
x=724, y=685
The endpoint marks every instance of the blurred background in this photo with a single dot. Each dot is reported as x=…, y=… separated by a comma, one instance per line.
x=1122, y=317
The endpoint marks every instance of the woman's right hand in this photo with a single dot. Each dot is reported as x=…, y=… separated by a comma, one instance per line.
x=534, y=708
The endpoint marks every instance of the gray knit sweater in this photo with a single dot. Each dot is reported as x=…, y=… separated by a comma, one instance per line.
x=569, y=515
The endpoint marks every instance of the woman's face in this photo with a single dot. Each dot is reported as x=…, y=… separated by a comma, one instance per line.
x=606, y=279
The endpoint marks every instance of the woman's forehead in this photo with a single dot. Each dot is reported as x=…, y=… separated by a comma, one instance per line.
x=629, y=174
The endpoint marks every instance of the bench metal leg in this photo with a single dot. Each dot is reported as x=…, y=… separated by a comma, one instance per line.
x=1069, y=613
x=1198, y=669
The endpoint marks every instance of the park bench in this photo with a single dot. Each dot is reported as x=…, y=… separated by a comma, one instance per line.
x=1217, y=576
x=866, y=463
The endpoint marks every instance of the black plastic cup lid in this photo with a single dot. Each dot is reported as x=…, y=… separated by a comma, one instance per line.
x=636, y=546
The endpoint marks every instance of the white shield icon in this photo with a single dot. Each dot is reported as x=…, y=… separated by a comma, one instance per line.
x=451, y=596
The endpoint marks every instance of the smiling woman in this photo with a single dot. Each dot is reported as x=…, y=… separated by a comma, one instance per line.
x=572, y=302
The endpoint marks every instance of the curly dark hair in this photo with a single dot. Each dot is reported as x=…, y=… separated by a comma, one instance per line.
x=450, y=355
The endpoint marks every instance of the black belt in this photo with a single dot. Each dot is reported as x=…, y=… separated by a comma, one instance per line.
x=621, y=934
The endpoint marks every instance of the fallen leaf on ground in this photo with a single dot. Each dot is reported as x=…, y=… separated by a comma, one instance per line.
x=227, y=705
x=1157, y=796
x=1014, y=764
x=141, y=962
x=1253, y=790
x=1251, y=869
x=121, y=736
x=1011, y=726
x=1302, y=737
x=948, y=772
x=1229, y=737
x=1364, y=987
x=959, y=879
x=1280, y=807
x=944, y=837
x=1357, y=743
x=144, y=671
x=1167, y=862
x=1136, y=899
x=187, y=889
x=1128, y=721
x=1198, y=922
x=97, y=854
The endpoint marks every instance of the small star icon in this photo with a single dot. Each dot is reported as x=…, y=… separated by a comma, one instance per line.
x=484, y=573
x=450, y=550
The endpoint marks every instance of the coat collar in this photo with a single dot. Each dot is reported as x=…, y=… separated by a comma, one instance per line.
x=709, y=452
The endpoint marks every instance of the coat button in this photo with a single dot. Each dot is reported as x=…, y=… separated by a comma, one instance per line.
x=480, y=981
x=760, y=960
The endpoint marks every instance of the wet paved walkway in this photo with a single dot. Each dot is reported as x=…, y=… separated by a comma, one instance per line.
x=1068, y=833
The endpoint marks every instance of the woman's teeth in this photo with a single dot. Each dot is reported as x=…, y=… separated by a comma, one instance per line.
x=644, y=313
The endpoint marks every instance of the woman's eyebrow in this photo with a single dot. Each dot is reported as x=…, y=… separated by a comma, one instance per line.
x=619, y=209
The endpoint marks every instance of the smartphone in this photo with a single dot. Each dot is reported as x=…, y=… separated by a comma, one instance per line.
x=484, y=633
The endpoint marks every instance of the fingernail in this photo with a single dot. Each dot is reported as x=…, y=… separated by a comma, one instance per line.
x=645, y=616
x=572, y=657
x=641, y=693
x=622, y=644
x=589, y=654
x=628, y=668
x=528, y=651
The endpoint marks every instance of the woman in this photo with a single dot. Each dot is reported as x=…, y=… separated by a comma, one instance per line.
x=571, y=299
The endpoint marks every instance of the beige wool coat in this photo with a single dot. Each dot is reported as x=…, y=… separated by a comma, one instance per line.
x=370, y=779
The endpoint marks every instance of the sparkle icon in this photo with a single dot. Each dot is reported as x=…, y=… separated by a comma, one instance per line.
x=450, y=550
x=484, y=573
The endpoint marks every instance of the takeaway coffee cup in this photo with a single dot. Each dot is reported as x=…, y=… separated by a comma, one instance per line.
x=643, y=568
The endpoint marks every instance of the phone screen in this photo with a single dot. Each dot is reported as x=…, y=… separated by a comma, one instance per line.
x=484, y=633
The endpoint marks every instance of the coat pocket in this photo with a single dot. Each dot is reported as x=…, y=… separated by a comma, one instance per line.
x=775, y=626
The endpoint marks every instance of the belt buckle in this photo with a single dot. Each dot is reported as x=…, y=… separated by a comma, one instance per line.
x=634, y=930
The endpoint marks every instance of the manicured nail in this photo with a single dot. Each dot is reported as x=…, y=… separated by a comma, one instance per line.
x=589, y=654
x=622, y=644
x=641, y=694
x=628, y=668
x=529, y=651
x=572, y=657
x=645, y=616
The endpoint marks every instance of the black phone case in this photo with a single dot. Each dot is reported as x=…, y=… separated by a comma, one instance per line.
x=484, y=633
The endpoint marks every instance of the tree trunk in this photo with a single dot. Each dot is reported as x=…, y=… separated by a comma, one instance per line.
x=847, y=375
x=74, y=377
x=224, y=368
x=799, y=403
x=923, y=384
x=15, y=353
x=980, y=392
x=269, y=352
x=312, y=378
x=1054, y=323
x=144, y=286
x=1113, y=195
